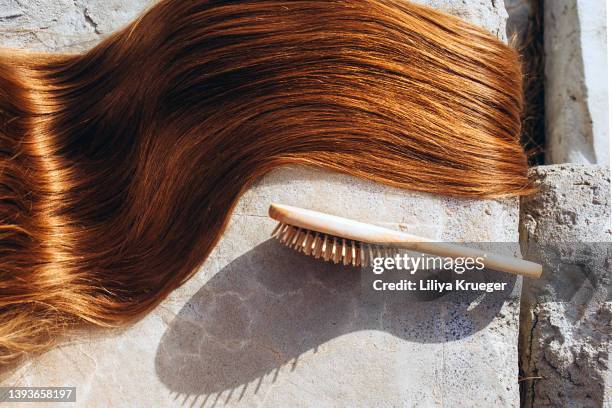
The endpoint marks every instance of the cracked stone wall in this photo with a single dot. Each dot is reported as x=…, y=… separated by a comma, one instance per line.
x=260, y=325
x=566, y=316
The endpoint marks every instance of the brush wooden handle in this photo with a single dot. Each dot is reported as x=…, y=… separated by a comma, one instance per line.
x=372, y=234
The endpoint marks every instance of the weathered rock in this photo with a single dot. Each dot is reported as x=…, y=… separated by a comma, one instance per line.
x=576, y=82
x=566, y=316
x=262, y=325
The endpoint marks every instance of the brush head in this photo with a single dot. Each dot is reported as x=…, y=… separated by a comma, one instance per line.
x=328, y=247
x=332, y=238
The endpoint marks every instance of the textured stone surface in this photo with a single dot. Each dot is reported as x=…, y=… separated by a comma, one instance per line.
x=576, y=82
x=566, y=316
x=490, y=14
x=260, y=325
x=63, y=25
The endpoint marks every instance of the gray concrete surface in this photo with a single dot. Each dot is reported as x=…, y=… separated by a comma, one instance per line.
x=260, y=325
x=566, y=336
x=576, y=82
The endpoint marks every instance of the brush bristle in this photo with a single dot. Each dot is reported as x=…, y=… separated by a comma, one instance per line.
x=327, y=247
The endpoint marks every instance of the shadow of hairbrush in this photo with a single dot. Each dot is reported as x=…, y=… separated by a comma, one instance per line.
x=271, y=305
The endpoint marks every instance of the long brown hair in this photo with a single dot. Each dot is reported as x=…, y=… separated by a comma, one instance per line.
x=120, y=167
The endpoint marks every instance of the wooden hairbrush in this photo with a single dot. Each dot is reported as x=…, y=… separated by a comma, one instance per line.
x=342, y=240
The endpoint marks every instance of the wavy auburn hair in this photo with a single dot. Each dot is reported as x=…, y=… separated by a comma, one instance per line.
x=119, y=167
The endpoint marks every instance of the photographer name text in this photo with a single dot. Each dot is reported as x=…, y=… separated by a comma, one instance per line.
x=433, y=285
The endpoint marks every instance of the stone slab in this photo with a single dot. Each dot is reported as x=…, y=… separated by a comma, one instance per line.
x=576, y=87
x=263, y=325
x=260, y=325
